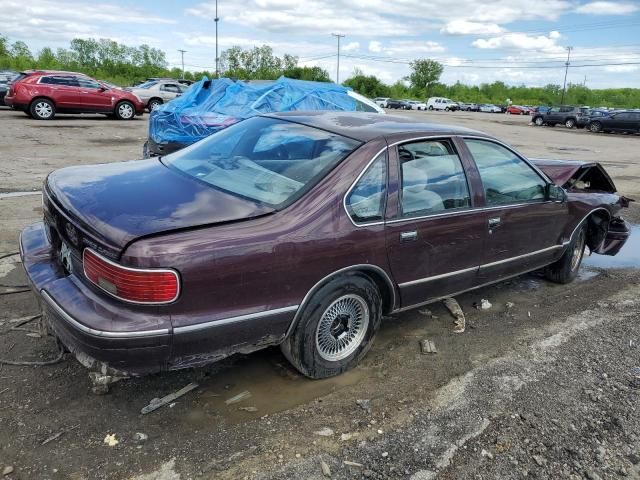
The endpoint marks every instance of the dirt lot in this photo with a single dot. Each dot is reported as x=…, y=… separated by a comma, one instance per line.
x=543, y=389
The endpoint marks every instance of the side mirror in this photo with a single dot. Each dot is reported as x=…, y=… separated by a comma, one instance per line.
x=556, y=193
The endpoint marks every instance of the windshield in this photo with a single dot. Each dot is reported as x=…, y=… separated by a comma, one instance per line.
x=147, y=84
x=267, y=160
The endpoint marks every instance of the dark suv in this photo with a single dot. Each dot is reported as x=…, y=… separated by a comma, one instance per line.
x=567, y=115
x=6, y=76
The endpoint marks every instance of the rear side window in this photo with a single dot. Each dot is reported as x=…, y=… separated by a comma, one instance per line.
x=87, y=83
x=60, y=80
x=433, y=179
x=366, y=200
x=505, y=176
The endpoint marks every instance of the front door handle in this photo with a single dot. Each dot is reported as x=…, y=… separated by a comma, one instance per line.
x=494, y=222
x=408, y=236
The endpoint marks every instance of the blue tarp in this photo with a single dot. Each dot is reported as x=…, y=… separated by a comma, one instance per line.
x=211, y=105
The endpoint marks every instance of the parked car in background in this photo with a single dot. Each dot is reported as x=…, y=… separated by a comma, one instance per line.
x=517, y=110
x=489, y=108
x=398, y=104
x=468, y=107
x=381, y=101
x=42, y=94
x=6, y=76
x=441, y=103
x=164, y=264
x=156, y=92
x=566, y=115
x=541, y=109
x=618, y=121
x=416, y=105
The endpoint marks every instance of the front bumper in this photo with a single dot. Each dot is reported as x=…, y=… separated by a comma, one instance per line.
x=102, y=332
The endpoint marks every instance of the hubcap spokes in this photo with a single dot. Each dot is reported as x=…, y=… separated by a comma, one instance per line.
x=43, y=109
x=577, y=252
x=342, y=327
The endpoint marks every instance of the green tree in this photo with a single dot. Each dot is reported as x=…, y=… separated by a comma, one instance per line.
x=367, y=85
x=425, y=73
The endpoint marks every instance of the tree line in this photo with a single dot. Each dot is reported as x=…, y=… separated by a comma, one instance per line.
x=123, y=65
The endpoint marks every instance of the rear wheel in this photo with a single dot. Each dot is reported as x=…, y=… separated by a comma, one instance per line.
x=570, y=123
x=153, y=104
x=595, y=127
x=336, y=328
x=125, y=111
x=42, y=109
x=430, y=107
x=566, y=268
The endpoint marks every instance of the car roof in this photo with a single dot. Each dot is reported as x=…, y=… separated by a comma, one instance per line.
x=364, y=126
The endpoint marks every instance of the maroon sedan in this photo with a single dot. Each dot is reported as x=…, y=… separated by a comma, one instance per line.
x=300, y=230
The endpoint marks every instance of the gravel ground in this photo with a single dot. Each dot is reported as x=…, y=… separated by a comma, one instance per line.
x=543, y=388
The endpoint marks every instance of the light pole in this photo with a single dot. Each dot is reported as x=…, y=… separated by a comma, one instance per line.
x=182, y=52
x=338, y=36
x=217, y=20
x=566, y=70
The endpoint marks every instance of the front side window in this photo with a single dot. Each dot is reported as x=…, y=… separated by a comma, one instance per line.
x=505, y=176
x=266, y=160
x=88, y=83
x=366, y=200
x=433, y=178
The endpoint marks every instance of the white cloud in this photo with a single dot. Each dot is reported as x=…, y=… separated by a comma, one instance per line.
x=375, y=46
x=413, y=47
x=466, y=27
x=621, y=68
x=351, y=46
x=607, y=8
x=521, y=41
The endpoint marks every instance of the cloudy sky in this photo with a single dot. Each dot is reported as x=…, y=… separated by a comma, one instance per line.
x=516, y=41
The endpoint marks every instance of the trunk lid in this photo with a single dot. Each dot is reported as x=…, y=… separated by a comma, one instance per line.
x=576, y=175
x=118, y=202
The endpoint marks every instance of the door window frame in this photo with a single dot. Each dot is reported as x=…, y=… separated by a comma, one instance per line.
x=384, y=151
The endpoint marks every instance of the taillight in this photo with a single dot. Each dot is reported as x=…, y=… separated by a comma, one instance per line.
x=136, y=285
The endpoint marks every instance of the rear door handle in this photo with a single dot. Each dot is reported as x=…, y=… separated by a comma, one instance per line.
x=494, y=222
x=408, y=236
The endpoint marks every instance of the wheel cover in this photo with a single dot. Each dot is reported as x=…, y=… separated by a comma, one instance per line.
x=595, y=127
x=539, y=121
x=125, y=110
x=578, y=248
x=43, y=109
x=569, y=123
x=342, y=327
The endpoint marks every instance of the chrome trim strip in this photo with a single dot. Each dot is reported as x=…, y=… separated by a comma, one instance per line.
x=131, y=269
x=98, y=333
x=363, y=266
x=230, y=320
x=437, y=277
x=518, y=257
x=582, y=221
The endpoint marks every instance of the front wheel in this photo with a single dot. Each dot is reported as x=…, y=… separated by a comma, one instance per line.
x=124, y=111
x=566, y=268
x=336, y=328
x=539, y=121
x=595, y=127
x=430, y=107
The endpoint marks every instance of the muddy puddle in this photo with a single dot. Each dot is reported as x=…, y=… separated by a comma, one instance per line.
x=627, y=257
x=272, y=386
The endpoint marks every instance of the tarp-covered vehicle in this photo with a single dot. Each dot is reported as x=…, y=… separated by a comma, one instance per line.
x=211, y=105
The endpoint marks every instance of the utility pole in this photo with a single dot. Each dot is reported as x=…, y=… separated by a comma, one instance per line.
x=338, y=36
x=566, y=70
x=217, y=59
x=182, y=52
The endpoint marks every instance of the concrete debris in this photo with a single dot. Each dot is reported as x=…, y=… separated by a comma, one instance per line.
x=140, y=437
x=483, y=305
x=111, y=440
x=540, y=460
x=238, y=398
x=454, y=307
x=324, y=432
x=8, y=470
x=509, y=305
x=326, y=471
x=427, y=346
x=347, y=436
x=248, y=409
x=487, y=454
x=352, y=464
x=385, y=454
x=364, y=404
x=156, y=403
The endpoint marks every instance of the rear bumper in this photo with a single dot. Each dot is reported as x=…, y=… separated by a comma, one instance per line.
x=101, y=332
x=618, y=234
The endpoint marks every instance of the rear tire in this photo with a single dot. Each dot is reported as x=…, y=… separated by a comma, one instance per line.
x=153, y=104
x=42, y=109
x=566, y=268
x=570, y=123
x=595, y=127
x=336, y=327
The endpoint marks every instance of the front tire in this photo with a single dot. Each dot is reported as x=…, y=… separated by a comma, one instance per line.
x=42, y=109
x=124, y=111
x=336, y=327
x=566, y=268
x=595, y=127
x=539, y=121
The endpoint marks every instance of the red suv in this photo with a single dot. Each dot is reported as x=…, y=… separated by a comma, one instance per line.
x=42, y=94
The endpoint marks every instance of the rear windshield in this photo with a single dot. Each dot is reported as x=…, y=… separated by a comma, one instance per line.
x=146, y=85
x=266, y=160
